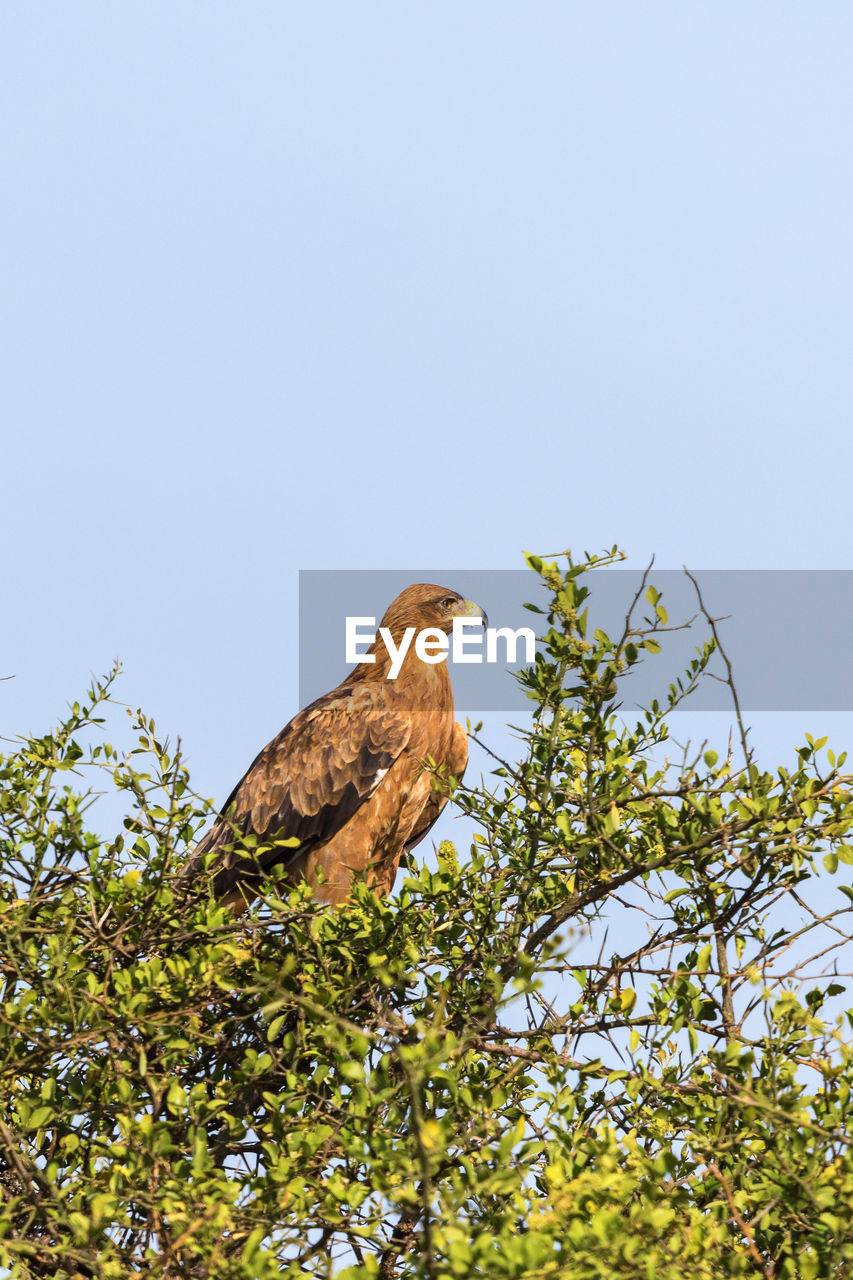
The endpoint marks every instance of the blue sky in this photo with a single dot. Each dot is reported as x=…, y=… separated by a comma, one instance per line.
x=369, y=286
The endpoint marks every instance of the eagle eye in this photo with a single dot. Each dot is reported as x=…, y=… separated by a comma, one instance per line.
x=449, y=601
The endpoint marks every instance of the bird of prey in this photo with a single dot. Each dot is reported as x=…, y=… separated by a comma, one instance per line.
x=346, y=783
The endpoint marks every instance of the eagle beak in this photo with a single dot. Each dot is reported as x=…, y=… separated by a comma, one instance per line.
x=467, y=609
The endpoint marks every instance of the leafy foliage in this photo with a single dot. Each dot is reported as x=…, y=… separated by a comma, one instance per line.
x=435, y=1086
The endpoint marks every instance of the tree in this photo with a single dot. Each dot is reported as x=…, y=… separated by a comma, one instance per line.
x=431, y=1086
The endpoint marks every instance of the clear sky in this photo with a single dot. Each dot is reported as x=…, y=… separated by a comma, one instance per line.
x=374, y=285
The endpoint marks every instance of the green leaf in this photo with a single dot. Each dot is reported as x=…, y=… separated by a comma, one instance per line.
x=40, y=1117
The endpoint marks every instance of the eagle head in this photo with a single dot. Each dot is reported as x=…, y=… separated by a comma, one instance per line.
x=425, y=605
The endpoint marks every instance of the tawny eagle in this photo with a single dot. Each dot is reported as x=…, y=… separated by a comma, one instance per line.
x=348, y=777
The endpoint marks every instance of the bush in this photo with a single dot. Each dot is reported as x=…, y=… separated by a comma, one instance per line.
x=431, y=1086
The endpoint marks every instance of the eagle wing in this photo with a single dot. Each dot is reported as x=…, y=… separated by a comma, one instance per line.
x=307, y=783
